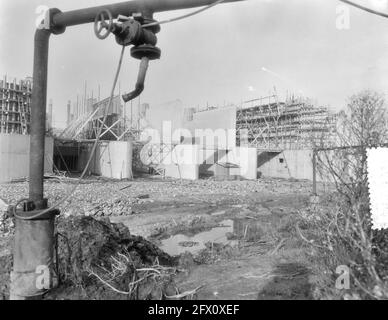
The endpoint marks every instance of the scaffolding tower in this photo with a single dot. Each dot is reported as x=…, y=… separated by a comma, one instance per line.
x=294, y=124
x=15, y=106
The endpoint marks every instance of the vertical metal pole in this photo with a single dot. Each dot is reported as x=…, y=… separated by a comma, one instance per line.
x=38, y=115
x=33, y=241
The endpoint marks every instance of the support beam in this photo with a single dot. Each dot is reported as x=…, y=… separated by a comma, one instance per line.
x=110, y=129
x=77, y=17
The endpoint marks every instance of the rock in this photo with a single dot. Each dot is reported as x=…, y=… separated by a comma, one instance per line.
x=144, y=196
x=3, y=206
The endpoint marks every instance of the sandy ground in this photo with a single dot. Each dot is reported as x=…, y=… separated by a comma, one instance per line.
x=265, y=261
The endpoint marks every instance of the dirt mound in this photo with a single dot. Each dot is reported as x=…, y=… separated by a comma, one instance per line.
x=96, y=259
x=100, y=260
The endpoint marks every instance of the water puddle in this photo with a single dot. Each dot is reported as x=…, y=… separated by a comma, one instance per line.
x=229, y=232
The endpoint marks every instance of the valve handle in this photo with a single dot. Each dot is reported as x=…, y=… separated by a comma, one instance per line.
x=100, y=24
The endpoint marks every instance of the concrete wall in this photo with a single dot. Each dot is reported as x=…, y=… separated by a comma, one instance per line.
x=182, y=163
x=220, y=123
x=14, y=156
x=154, y=117
x=113, y=160
x=244, y=158
x=295, y=164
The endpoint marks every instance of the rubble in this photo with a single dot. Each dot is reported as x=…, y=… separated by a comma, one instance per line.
x=104, y=197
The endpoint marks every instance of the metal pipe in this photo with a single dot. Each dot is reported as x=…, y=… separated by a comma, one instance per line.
x=140, y=81
x=38, y=115
x=33, y=252
x=34, y=237
x=87, y=15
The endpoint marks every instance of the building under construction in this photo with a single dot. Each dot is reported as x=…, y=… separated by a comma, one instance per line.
x=294, y=124
x=15, y=100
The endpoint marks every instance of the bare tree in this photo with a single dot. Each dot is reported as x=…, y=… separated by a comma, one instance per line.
x=362, y=125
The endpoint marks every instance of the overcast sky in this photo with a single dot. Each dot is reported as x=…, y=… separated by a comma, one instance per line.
x=230, y=53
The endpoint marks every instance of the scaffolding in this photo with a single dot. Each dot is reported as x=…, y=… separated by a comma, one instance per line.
x=294, y=124
x=86, y=125
x=15, y=106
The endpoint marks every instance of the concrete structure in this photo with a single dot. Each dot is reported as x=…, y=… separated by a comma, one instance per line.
x=182, y=162
x=188, y=145
x=14, y=156
x=246, y=159
x=296, y=164
x=212, y=137
x=113, y=160
x=214, y=129
x=243, y=159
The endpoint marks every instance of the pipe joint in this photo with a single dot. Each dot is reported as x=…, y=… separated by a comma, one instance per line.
x=56, y=29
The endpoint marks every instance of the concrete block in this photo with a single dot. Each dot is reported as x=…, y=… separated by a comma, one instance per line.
x=246, y=160
x=114, y=160
x=182, y=162
x=183, y=171
x=296, y=164
x=14, y=156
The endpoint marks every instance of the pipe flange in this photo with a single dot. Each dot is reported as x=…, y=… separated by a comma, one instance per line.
x=146, y=51
x=54, y=28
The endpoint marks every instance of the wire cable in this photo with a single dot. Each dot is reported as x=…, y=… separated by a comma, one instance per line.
x=183, y=16
x=90, y=157
x=379, y=13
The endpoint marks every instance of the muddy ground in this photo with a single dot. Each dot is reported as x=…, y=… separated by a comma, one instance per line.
x=233, y=239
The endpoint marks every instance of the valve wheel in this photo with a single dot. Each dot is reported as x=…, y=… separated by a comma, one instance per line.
x=101, y=24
